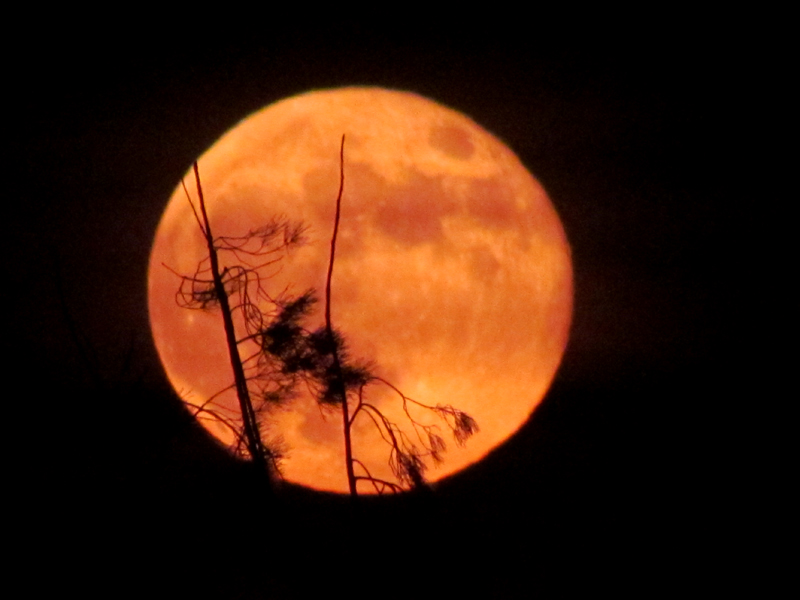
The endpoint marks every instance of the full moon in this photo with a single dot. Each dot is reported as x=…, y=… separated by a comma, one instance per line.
x=452, y=273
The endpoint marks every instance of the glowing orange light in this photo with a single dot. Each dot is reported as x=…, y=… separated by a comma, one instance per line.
x=452, y=275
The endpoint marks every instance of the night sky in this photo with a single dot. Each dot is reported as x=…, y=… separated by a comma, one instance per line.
x=123, y=490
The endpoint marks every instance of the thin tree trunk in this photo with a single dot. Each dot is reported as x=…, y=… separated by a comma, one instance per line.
x=341, y=391
x=251, y=430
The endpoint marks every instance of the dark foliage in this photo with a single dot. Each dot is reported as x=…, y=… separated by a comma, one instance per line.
x=288, y=354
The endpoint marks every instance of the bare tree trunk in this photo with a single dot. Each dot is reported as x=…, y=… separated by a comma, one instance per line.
x=251, y=431
x=340, y=387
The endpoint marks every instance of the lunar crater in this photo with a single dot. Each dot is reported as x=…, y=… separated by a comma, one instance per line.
x=453, y=141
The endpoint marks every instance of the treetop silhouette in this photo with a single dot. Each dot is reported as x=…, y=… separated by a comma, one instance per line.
x=288, y=354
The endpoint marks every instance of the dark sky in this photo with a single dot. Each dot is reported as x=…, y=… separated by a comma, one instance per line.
x=627, y=146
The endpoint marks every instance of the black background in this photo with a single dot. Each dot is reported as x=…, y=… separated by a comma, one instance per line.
x=606, y=486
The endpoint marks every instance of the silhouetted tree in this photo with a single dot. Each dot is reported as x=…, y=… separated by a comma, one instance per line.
x=288, y=353
x=321, y=359
x=237, y=291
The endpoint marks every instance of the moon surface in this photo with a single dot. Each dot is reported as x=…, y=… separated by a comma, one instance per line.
x=452, y=274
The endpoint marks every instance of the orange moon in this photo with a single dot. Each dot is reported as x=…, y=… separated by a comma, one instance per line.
x=452, y=274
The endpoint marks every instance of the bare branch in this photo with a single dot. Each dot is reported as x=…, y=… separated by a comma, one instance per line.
x=280, y=352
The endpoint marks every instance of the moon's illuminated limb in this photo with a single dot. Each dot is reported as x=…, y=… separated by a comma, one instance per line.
x=452, y=275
